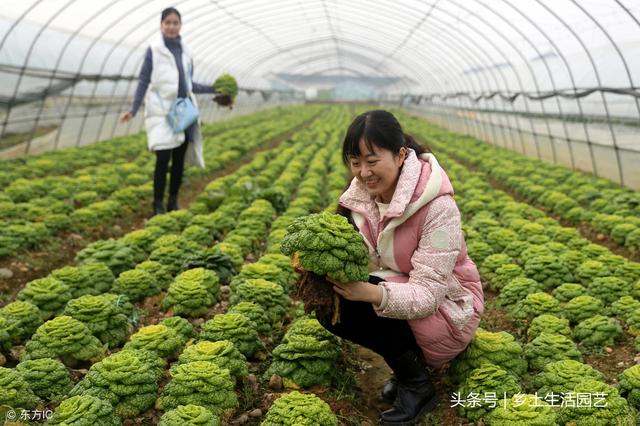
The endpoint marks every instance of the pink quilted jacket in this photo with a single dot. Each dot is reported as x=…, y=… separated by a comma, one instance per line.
x=418, y=248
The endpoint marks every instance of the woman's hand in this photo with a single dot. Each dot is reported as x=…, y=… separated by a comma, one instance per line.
x=125, y=116
x=359, y=291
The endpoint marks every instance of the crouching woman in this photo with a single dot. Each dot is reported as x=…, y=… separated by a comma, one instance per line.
x=424, y=298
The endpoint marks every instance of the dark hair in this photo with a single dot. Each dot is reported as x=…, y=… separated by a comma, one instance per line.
x=379, y=128
x=170, y=11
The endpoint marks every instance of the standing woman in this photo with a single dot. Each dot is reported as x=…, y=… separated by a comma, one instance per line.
x=167, y=72
x=424, y=298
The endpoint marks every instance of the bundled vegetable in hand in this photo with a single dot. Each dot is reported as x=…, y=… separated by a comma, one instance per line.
x=296, y=408
x=325, y=244
x=227, y=89
x=84, y=410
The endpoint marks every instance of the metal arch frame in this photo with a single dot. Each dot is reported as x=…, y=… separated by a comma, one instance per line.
x=533, y=74
x=303, y=44
x=485, y=52
x=410, y=34
x=28, y=56
x=306, y=17
x=223, y=47
x=357, y=57
x=604, y=101
x=551, y=76
x=597, y=74
x=243, y=61
x=463, y=81
x=58, y=61
x=290, y=47
x=482, y=61
x=497, y=49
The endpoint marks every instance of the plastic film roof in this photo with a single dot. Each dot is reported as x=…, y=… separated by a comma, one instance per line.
x=436, y=46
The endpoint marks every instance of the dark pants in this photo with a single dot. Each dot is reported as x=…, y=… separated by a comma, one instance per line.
x=176, y=156
x=359, y=323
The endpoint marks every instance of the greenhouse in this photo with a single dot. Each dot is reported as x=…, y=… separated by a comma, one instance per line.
x=323, y=212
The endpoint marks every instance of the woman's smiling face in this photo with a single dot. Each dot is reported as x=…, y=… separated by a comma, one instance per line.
x=377, y=169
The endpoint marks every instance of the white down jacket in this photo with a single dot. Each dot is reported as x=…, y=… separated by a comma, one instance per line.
x=163, y=89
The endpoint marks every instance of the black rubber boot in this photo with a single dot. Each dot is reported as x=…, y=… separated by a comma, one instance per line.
x=172, y=204
x=390, y=390
x=416, y=394
x=158, y=208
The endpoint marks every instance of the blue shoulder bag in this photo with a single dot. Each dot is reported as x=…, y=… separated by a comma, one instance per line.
x=182, y=114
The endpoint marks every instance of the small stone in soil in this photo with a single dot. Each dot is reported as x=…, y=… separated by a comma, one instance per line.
x=6, y=273
x=275, y=382
x=255, y=413
x=198, y=322
x=242, y=419
x=251, y=378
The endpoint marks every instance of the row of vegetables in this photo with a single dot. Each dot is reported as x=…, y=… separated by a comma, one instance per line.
x=120, y=149
x=91, y=305
x=572, y=196
x=34, y=209
x=570, y=297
